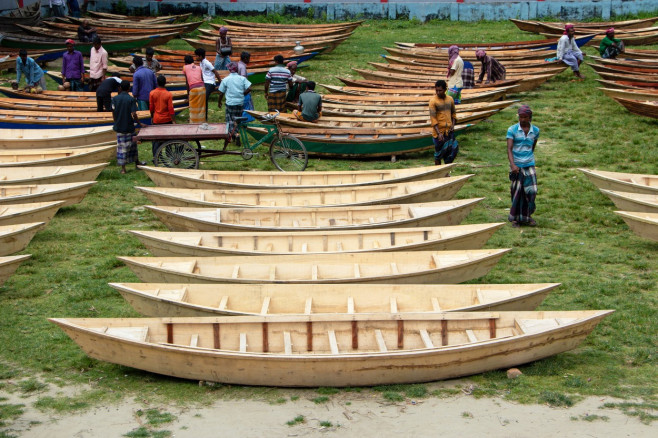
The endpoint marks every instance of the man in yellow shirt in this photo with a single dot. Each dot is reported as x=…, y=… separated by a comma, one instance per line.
x=442, y=118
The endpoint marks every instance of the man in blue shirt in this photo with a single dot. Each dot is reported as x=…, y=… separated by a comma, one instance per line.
x=521, y=142
x=235, y=88
x=144, y=82
x=33, y=74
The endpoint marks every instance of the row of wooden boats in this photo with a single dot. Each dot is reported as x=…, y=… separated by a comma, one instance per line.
x=636, y=197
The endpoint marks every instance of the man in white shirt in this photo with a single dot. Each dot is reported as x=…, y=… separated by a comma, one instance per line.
x=568, y=51
x=210, y=75
x=57, y=8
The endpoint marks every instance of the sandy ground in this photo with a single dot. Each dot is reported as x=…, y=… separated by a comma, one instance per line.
x=350, y=415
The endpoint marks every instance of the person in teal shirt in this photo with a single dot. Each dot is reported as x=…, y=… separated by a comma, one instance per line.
x=610, y=46
x=26, y=66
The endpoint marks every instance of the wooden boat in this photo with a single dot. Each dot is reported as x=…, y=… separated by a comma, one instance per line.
x=531, y=25
x=618, y=93
x=113, y=30
x=263, y=180
x=322, y=46
x=262, y=58
x=443, y=62
x=503, y=56
x=641, y=78
x=468, y=96
x=512, y=72
x=196, y=244
x=62, y=30
x=641, y=53
x=158, y=27
x=441, y=189
x=628, y=84
x=50, y=106
x=55, y=138
x=429, y=214
x=28, y=15
x=167, y=18
x=8, y=266
x=16, y=214
x=623, y=182
x=51, y=174
x=628, y=201
x=638, y=37
x=332, y=350
x=249, y=24
x=625, y=61
x=69, y=95
x=547, y=44
x=640, y=107
x=15, y=238
x=643, y=224
x=57, y=157
x=70, y=193
x=416, y=267
x=627, y=69
x=400, y=91
x=175, y=80
x=199, y=300
x=332, y=108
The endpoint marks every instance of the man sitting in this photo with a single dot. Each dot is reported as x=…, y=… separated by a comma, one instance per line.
x=310, y=104
x=610, y=46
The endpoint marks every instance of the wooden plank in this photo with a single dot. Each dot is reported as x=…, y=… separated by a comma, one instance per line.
x=435, y=304
x=308, y=306
x=215, y=336
x=355, y=336
x=492, y=328
x=480, y=297
x=265, y=306
x=350, y=305
x=333, y=344
x=380, y=341
x=243, y=342
x=426, y=338
x=357, y=271
x=194, y=340
x=272, y=272
x=170, y=333
x=394, y=305
x=309, y=336
x=400, y=334
x=444, y=332
x=266, y=338
x=287, y=343
x=471, y=335
x=236, y=271
x=223, y=302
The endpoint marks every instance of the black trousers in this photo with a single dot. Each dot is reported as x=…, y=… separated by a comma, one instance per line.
x=104, y=104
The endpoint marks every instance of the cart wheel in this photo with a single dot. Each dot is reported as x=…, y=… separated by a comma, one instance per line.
x=288, y=154
x=247, y=154
x=178, y=154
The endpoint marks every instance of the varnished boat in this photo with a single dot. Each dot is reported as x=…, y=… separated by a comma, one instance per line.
x=149, y=19
x=643, y=224
x=249, y=24
x=629, y=94
x=442, y=62
x=57, y=157
x=641, y=79
x=51, y=174
x=196, y=244
x=547, y=44
x=16, y=214
x=427, y=214
x=638, y=202
x=602, y=26
x=256, y=47
x=263, y=180
x=467, y=97
x=649, y=71
x=8, y=266
x=512, y=72
x=63, y=120
x=617, y=84
x=440, y=189
x=70, y=193
x=644, y=108
x=332, y=108
x=416, y=267
x=55, y=138
x=15, y=238
x=50, y=106
x=623, y=182
x=469, y=55
x=177, y=300
x=69, y=95
x=332, y=350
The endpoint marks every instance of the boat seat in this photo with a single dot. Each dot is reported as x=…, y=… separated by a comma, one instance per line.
x=138, y=334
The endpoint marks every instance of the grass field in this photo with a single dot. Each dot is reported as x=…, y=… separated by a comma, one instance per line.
x=579, y=242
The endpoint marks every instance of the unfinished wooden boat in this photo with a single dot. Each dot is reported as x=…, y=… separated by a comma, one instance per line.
x=30, y=14
x=8, y=266
x=69, y=95
x=628, y=84
x=176, y=300
x=58, y=106
x=623, y=182
x=469, y=55
x=70, y=193
x=332, y=350
x=641, y=79
x=57, y=157
x=427, y=214
x=638, y=37
x=443, y=62
x=440, y=189
x=16, y=214
x=196, y=244
x=15, y=238
x=547, y=44
x=18, y=119
x=139, y=20
x=649, y=71
x=264, y=180
x=249, y=24
x=512, y=72
x=644, y=108
x=332, y=108
x=256, y=47
x=358, y=97
x=55, y=138
x=627, y=201
x=416, y=267
x=629, y=94
x=643, y=224
x=51, y=174
x=602, y=26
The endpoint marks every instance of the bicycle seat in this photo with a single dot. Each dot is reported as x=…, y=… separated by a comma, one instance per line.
x=241, y=119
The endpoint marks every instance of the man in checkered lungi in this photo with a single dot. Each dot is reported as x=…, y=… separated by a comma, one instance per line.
x=124, y=113
x=235, y=88
x=277, y=81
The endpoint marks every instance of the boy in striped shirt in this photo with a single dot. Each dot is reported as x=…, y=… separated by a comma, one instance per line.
x=277, y=82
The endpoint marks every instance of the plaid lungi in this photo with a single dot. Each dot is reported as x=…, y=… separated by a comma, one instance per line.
x=197, y=105
x=126, y=149
x=468, y=77
x=456, y=94
x=276, y=101
x=523, y=191
x=232, y=111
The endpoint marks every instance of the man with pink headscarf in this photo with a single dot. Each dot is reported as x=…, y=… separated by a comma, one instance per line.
x=224, y=48
x=493, y=69
x=610, y=46
x=568, y=51
x=521, y=142
x=455, y=70
x=298, y=83
x=235, y=88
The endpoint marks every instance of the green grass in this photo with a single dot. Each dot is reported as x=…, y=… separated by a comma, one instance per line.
x=579, y=242
x=297, y=420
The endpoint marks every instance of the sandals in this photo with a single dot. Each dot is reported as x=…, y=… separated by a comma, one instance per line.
x=530, y=223
x=515, y=224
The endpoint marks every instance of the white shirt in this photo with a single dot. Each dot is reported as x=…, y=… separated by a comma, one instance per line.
x=207, y=72
x=455, y=81
x=565, y=44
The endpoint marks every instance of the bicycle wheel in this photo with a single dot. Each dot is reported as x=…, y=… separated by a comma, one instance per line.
x=288, y=154
x=178, y=154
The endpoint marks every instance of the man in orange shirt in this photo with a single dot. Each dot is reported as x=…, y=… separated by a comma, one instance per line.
x=442, y=118
x=161, y=105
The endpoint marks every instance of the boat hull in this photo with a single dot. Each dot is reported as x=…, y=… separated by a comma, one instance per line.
x=32, y=212
x=15, y=238
x=642, y=224
x=8, y=266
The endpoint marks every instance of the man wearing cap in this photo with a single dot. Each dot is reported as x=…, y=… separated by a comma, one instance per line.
x=235, y=88
x=491, y=67
x=521, y=142
x=610, y=46
x=73, y=66
x=224, y=48
x=568, y=51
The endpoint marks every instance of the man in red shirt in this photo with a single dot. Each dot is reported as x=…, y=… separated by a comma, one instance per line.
x=161, y=105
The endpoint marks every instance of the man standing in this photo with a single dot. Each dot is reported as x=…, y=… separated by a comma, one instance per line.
x=143, y=83
x=277, y=80
x=521, y=141
x=104, y=93
x=309, y=108
x=455, y=70
x=151, y=63
x=124, y=113
x=568, y=51
x=74, y=8
x=196, y=93
x=57, y=8
x=209, y=73
x=224, y=49
x=235, y=88
x=161, y=105
x=97, y=64
x=73, y=66
x=442, y=118
x=245, y=57
x=34, y=76
x=493, y=69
